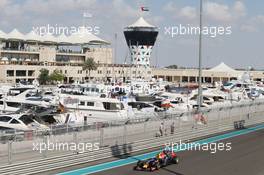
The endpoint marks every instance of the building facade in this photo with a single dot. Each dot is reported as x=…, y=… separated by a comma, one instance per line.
x=22, y=58
x=14, y=73
x=208, y=75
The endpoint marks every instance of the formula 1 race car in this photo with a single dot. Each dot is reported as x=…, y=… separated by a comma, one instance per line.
x=149, y=164
x=161, y=160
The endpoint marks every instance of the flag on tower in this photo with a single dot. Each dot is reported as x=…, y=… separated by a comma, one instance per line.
x=144, y=9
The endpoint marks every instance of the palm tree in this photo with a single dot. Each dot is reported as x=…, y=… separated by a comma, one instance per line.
x=89, y=65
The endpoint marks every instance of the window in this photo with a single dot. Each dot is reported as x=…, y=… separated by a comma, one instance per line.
x=5, y=119
x=30, y=73
x=13, y=104
x=14, y=121
x=48, y=93
x=82, y=103
x=227, y=84
x=206, y=98
x=90, y=103
x=10, y=73
x=141, y=105
x=145, y=105
x=194, y=97
x=107, y=106
x=26, y=119
x=113, y=106
x=174, y=102
x=1, y=102
x=21, y=73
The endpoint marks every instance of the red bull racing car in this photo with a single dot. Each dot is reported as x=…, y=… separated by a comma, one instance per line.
x=161, y=160
x=149, y=164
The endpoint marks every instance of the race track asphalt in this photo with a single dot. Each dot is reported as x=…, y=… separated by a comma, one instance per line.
x=245, y=158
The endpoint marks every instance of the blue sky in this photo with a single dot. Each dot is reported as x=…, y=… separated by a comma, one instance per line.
x=243, y=48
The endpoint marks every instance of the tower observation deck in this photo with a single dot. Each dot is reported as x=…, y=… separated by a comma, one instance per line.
x=140, y=38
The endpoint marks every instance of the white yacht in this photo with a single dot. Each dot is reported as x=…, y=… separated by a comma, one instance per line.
x=22, y=122
x=15, y=99
x=94, y=109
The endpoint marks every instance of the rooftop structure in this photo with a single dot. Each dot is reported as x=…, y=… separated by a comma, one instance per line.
x=78, y=38
x=222, y=67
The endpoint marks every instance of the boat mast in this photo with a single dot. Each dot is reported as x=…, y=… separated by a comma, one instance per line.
x=200, y=98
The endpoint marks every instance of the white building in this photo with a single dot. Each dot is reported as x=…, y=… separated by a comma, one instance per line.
x=23, y=56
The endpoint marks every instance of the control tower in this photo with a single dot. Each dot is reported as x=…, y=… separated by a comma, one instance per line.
x=140, y=38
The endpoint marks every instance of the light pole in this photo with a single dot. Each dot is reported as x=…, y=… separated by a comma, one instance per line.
x=200, y=98
x=115, y=58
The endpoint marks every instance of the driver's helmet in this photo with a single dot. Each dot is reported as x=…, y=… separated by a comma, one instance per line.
x=161, y=155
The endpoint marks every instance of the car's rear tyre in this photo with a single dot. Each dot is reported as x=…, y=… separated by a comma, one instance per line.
x=135, y=167
x=150, y=169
